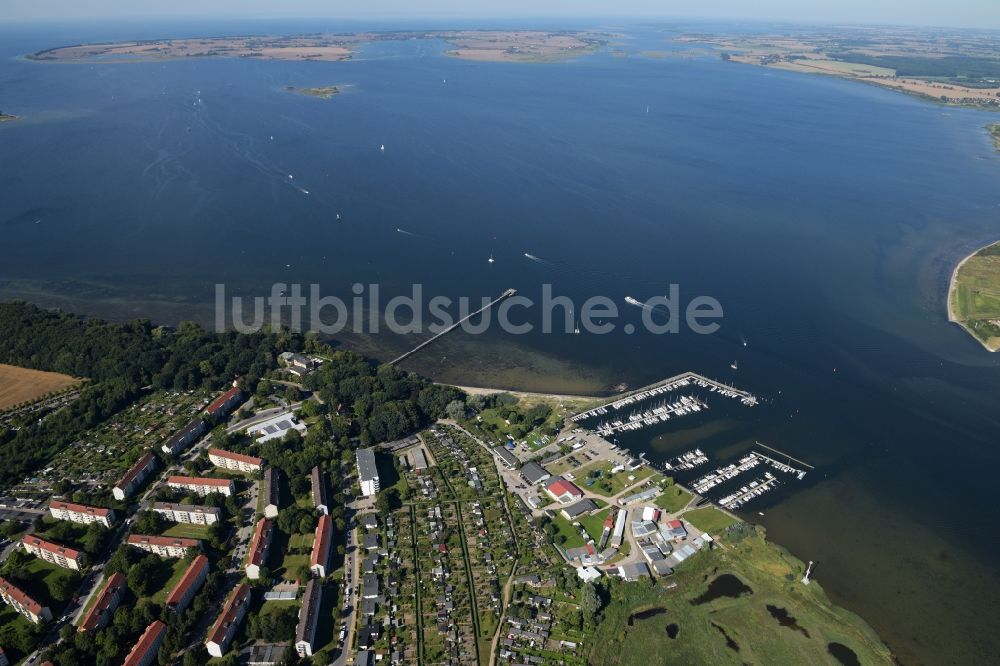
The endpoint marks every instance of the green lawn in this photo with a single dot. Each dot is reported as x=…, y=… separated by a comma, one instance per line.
x=594, y=523
x=301, y=541
x=12, y=625
x=608, y=484
x=673, y=499
x=290, y=564
x=187, y=531
x=177, y=568
x=709, y=519
x=572, y=534
x=44, y=583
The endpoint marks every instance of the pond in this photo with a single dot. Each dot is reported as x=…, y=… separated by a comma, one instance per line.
x=843, y=654
x=726, y=585
x=786, y=619
x=645, y=614
x=672, y=630
x=730, y=643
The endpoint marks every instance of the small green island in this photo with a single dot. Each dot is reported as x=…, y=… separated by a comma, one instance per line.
x=6, y=117
x=994, y=131
x=974, y=295
x=322, y=92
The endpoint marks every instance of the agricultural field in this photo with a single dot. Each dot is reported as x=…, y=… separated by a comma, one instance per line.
x=974, y=296
x=19, y=386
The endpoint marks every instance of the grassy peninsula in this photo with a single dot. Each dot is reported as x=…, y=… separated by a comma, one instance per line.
x=994, y=131
x=974, y=294
x=742, y=602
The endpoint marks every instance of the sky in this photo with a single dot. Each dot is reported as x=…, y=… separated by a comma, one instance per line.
x=967, y=13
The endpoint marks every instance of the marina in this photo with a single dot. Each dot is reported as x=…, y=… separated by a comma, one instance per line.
x=685, y=380
x=664, y=411
x=727, y=475
x=752, y=490
x=686, y=461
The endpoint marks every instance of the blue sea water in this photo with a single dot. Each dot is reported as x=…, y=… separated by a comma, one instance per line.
x=825, y=215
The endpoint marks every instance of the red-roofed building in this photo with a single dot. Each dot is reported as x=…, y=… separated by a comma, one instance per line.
x=235, y=461
x=203, y=485
x=563, y=491
x=22, y=603
x=81, y=513
x=162, y=545
x=144, y=652
x=259, y=546
x=222, y=632
x=184, y=591
x=107, y=601
x=225, y=403
x=135, y=476
x=321, y=547
x=62, y=556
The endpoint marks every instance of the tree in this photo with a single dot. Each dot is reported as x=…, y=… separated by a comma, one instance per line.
x=142, y=574
x=63, y=587
x=455, y=410
x=590, y=603
x=148, y=522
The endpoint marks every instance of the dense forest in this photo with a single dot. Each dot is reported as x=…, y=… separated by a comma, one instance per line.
x=970, y=70
x=121, y=359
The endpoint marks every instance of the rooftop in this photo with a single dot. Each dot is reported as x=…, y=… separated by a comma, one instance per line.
x=179, y=542
x=221, y=401
x=311, y=599
x=258, y=545
x=198, y=481
x=149, y=638
x=561, y=486
x=69, y=553
x=20, y=596
x=190, y=508
x=321, y=544
x=80, y=508
x=136, y=469
x=239, y=457
x=104, y=600
x=534, y=472
x=239, y=596
x=192, y=574
x=367, y=470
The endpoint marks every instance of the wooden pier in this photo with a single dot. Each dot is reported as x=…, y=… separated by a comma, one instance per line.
x=505, y=295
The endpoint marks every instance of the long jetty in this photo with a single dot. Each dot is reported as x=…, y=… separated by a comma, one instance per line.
x=505, y=295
